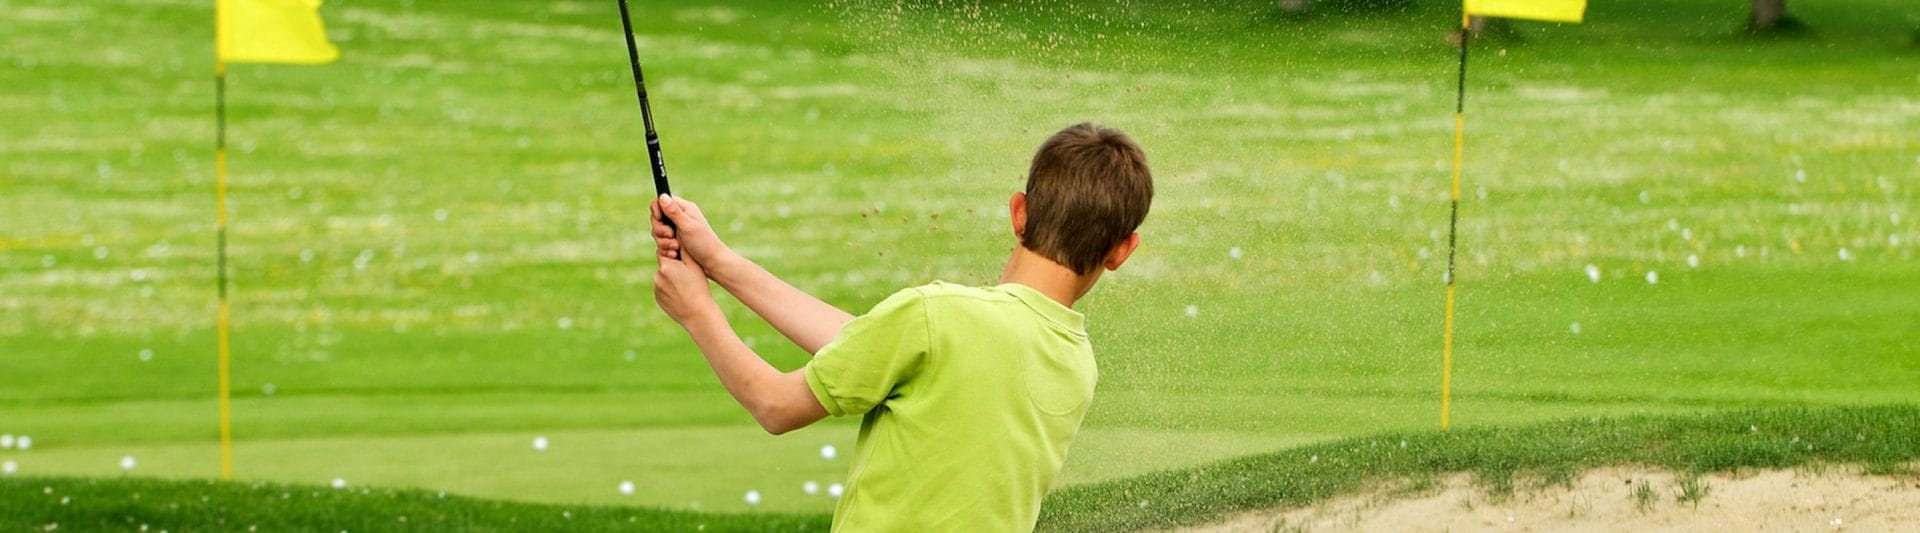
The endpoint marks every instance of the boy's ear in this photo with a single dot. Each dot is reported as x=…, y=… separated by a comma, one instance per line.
x=1017, y=211
x=1120, y=252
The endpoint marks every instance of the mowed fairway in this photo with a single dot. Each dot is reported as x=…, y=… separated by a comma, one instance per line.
x=439, y=248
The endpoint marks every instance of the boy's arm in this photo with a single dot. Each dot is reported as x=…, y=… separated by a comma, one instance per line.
x=779, y=401
x=806, y=320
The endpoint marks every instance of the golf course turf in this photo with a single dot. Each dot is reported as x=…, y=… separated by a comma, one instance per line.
x=438, y=249
x=1882, y=439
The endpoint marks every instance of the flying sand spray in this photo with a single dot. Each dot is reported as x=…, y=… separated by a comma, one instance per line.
x=646, y=113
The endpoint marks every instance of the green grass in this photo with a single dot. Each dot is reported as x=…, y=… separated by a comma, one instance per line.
x=1857, y=437
x=414, y=224
x=115, y=504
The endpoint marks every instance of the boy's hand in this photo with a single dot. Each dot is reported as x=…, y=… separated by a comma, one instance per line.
x=693, y=237
x=680, y=287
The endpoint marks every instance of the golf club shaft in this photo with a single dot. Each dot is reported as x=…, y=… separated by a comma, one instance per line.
x=646, y=111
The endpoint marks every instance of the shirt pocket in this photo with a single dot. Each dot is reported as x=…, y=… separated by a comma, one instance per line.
x=1061, y=383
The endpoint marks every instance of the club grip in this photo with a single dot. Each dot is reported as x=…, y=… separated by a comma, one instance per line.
x=659, y=174
x=659, y=167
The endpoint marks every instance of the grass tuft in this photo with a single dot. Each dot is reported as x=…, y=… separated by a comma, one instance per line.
x=1644, y=497
x=1691, y=490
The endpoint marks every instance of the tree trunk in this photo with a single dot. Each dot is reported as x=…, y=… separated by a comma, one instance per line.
x=1766, y=14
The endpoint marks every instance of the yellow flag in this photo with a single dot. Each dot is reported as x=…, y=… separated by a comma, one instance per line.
x=1550, y=10
x=271, y=31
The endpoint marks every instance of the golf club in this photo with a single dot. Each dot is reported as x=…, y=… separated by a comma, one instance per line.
x=646, y=113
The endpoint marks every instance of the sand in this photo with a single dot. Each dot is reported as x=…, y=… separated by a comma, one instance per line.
x=1829, y=498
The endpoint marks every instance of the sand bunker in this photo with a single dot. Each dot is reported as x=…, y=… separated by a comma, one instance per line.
x=1623, y=499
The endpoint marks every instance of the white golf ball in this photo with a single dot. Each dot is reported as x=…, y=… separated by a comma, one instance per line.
x=1575, y=328
x=1845, y=255
x=753, y=497
x=1593, y=273
x=146, y=355
x=836, y=490
x=9, y=467
x=828, y=452
x=1653, y=277
x=1193, y=311
x=127, y=462
x=540, y=443
x=810, y=488
x=6, y=441
x=626, y=488
x=1234, y=252
x=23, y=442
x=339, y=483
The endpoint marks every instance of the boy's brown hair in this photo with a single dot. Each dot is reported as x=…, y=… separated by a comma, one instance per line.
x=1087, y=190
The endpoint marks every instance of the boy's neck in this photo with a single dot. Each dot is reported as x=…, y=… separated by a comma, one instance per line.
x=1053, y=280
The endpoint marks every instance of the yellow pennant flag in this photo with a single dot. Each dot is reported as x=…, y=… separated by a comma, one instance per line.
x=271, y=31
x=1549, y=10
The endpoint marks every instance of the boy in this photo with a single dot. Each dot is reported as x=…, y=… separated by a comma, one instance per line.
x=969, y=395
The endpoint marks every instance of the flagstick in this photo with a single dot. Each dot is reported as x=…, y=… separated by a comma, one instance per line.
x=283, y=32
x=1453, y=224
x=220, y=188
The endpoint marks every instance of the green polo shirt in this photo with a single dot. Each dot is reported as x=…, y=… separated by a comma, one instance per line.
x=969, y=397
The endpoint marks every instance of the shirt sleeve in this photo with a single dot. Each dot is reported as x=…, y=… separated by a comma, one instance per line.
x=872, y=356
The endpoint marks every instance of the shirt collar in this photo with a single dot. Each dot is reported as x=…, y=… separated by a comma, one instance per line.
x=1065, y=316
